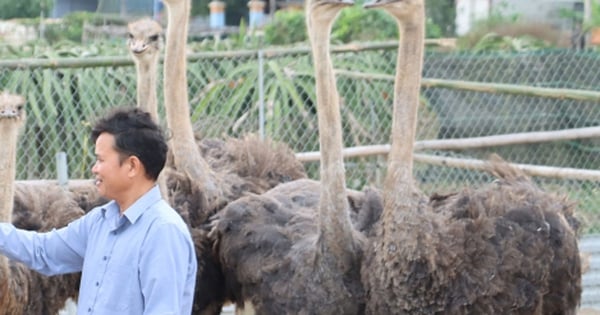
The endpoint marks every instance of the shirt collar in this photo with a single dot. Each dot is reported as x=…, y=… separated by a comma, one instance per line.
x=135, y=211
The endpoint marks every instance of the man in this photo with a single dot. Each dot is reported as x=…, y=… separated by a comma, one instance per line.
x=135, y=252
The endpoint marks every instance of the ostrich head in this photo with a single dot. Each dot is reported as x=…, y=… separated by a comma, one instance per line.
x=12, y=108
x=144, y=38
x=402, y=9
x=323, y=12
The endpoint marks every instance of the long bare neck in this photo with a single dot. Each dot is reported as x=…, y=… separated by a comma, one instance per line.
x=8, y=159
x=334, y=220
x=146, y=85
x=406, y=102
x=186, y=155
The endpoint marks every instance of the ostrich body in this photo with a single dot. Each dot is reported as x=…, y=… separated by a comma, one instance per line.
x=144, y=47
x=497, y=249
x=293, y=250
x=32, y=207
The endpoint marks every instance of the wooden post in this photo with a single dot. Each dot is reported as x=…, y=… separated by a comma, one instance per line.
x=62, y=169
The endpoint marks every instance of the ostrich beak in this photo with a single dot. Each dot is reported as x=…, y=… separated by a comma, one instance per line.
x=138, y=48
x=378, y=3
x=9, y=114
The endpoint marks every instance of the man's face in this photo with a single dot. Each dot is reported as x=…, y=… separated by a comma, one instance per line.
x=111, y=176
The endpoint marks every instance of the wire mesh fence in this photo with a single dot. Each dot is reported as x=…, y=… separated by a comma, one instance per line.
x=271, y=92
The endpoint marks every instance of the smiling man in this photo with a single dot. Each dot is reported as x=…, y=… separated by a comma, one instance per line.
x=135, y=252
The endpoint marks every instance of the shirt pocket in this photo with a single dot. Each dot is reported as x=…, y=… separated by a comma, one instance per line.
x=120, y=287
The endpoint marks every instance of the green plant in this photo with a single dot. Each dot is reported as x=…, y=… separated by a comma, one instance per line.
x=594, y=20
x=24, y=8
x=287, y=27
x=495, y=42
x=480, y=30
x=358, y=24
x=354, y=24
x=441, y=15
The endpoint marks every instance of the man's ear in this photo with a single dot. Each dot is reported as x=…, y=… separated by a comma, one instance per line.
x=135, y=166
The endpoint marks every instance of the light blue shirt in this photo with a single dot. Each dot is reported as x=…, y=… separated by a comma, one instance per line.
x=140, y=263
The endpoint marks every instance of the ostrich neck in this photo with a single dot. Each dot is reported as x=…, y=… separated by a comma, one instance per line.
x=334, y=220
x=8, y=158
x=186, y=155
x=400, y=193
x=146, y=86
x=406, y=102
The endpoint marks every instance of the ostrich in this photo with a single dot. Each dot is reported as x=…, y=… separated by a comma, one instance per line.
x=293, y=249
x=144, y=47
x=14, y=285
x=33, y=207
x=505, y=248
x=219, y=171
x=201, y=185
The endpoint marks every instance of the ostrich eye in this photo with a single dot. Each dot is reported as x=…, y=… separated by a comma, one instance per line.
x=130, y=36
x=20, y=107
x=153, y=38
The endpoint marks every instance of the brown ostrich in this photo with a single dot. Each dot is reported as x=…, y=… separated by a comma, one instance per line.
x=33, y=207
x=199, y=186
x=14, y=277
x=293, y=249
x=504, y=248
x=144, y=46
x=244, y=166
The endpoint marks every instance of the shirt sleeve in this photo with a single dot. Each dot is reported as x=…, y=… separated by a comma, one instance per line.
x=50, y=253
x=165, y=265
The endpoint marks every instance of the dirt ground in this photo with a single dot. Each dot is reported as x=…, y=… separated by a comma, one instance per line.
x=588, y=311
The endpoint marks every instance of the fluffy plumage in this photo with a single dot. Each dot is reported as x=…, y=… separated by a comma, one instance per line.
x=269, y=246
x=507, y=247
x=293, y=249
x=243, y=166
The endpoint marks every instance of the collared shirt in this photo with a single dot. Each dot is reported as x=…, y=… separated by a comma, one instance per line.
x=140, y=263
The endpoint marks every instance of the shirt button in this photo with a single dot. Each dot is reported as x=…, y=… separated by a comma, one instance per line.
x=104, y=258
x=97, y=283
x=89, y=310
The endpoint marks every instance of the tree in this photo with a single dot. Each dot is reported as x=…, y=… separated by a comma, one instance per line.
x=10, y=9
x=442, y=13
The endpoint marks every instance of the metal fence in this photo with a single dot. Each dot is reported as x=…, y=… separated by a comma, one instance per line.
x=271, y=92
